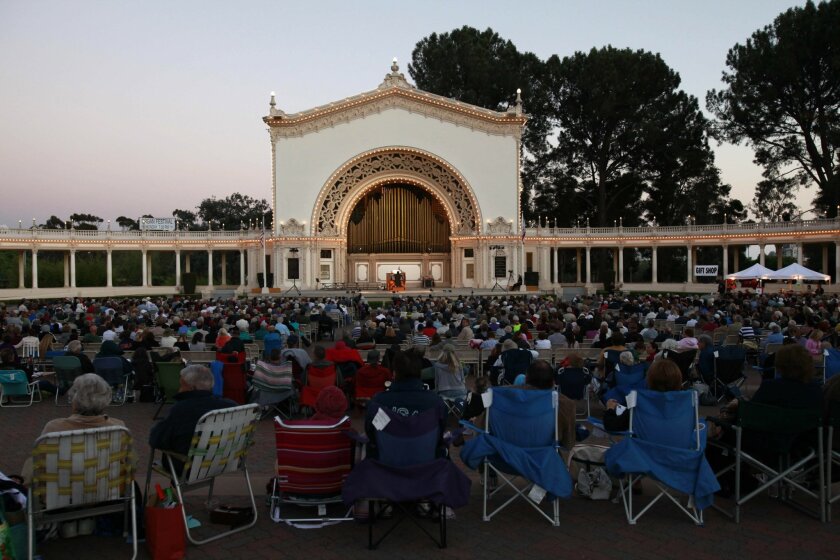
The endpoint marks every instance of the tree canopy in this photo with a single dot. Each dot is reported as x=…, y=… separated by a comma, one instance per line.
x=609, y=132
x=232, y=212
x=782, y=97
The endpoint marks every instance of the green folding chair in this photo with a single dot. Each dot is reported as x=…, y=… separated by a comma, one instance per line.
x=67, y=369
x=168, y=377
x=16, y=390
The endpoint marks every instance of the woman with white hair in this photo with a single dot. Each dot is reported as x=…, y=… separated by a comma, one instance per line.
x=89, y=396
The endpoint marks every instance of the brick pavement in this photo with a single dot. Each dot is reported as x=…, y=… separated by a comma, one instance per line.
x=588, y=530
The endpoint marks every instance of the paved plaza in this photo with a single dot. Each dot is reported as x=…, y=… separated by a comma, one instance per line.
x=587, y=529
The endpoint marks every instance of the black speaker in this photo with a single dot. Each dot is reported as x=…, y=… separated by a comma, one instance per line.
x=500, y=267
x=261, y=279
x=270, y=279
x=294, y=268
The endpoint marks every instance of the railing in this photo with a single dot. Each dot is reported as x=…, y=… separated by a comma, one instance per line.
x=35, y=234
x=676, y=231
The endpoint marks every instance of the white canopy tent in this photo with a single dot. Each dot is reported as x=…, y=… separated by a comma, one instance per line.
x=755, y=272
x=797, y=272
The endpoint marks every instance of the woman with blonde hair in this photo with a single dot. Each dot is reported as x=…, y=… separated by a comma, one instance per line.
x=449, y=374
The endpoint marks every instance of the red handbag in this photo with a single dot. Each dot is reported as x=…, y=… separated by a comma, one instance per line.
x=166, y=536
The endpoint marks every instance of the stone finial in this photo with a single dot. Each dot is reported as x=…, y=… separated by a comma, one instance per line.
x=395, y=78
x=273, y=111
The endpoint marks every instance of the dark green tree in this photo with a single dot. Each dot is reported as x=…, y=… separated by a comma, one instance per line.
x=782, y=97
x=128, y=223
x=774, y=198
x=233, y=211
x=628, y=140
x=482, y=68
x=186, y=219
x=54, y=222
x=85, y=221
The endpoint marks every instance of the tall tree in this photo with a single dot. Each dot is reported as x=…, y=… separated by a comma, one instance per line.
x=774, y=198
x=482, y=68
x=54, y=222
x=628, y=140
x=782, y=97
x=127, y=223
x=231, y=212
x=85, y=221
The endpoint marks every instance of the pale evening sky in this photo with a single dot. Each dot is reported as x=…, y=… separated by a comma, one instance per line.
x=128, y=108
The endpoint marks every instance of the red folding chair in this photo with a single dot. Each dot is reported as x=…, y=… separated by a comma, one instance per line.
x=316, y=379
x=233, y=373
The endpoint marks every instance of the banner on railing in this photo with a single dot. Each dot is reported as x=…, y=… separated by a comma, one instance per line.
x=157, y=224
x=706, y=270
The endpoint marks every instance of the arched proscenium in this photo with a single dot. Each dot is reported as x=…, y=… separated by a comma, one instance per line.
x=393, y=165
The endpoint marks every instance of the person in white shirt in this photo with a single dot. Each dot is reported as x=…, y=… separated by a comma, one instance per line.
x=542, y=342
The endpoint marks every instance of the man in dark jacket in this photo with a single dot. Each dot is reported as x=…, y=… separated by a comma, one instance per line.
x=194, y=399
x=235, y=343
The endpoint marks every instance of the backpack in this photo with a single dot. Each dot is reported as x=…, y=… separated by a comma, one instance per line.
x=595, y=484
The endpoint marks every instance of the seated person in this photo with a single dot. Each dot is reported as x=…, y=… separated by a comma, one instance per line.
x=371, y=378
x=320, y=361
x=89, y=396
x=407, y=396
x=346, y=359
x=110, y=349
x=74, y=348
x=331, y=404
x=197, y=343
x=273, y=372
x=616, y=342
x=194, y=399
x=234, y=345
x=271, y=340
x=449, y=375
x=293, y=352
x=706, y=358
x=687, y=342
x=222, y=338
x=663, y=376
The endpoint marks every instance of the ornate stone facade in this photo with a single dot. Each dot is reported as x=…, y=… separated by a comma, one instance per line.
x=395, y=162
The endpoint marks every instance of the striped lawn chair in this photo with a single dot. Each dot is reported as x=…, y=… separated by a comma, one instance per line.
x=313, y=460
x=82, y=473
x=219, y=446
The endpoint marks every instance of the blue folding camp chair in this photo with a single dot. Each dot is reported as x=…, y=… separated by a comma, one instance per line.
x=575, y=383
x=514, y=362
x=729, y=369
x=520, y=440
x=666, y=443
x=831, y=361
x=627, y=379
x=111, y=370
x=407, y=470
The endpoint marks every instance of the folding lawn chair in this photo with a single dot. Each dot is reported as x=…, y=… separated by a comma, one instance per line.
x=15, y=385
x=272, y=386
x=684, y=361
x=168, y=377
x=575, y=383
x=520, y=440
x=789, y=439
x=316, y=379
x=82, y=473
x=111, y=370
x=314, y=458
x=729, y=369
x=235, y=387
x=665, y=443
x=67, y=369
x=627, y=380
x=219, y=446
x=514, y=362
x=405, y=471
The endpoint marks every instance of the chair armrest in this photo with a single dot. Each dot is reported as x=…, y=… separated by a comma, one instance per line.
x=356, y=436
x=469, y=425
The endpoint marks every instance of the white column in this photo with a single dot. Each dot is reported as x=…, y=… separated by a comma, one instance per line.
x=241, y=269
x=145, y=270
x=689, y=264
x=761, y=255
x=21, y=272
x=72, y=268
x=620, y=265
x=224, y=268
x=187, y=260
x=588, y=265
x=725, y=260
x=800, y=256
x=149, y=269
x=210, y=268
x=836, y=262
x=177, y=267
x=654, y=273
x=66, y=270
x=109, y=273
x=34, y=268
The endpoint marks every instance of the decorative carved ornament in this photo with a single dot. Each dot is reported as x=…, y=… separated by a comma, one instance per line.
x=293, y=228
x=394, y=95
x=389, y=163
x=500, y=226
